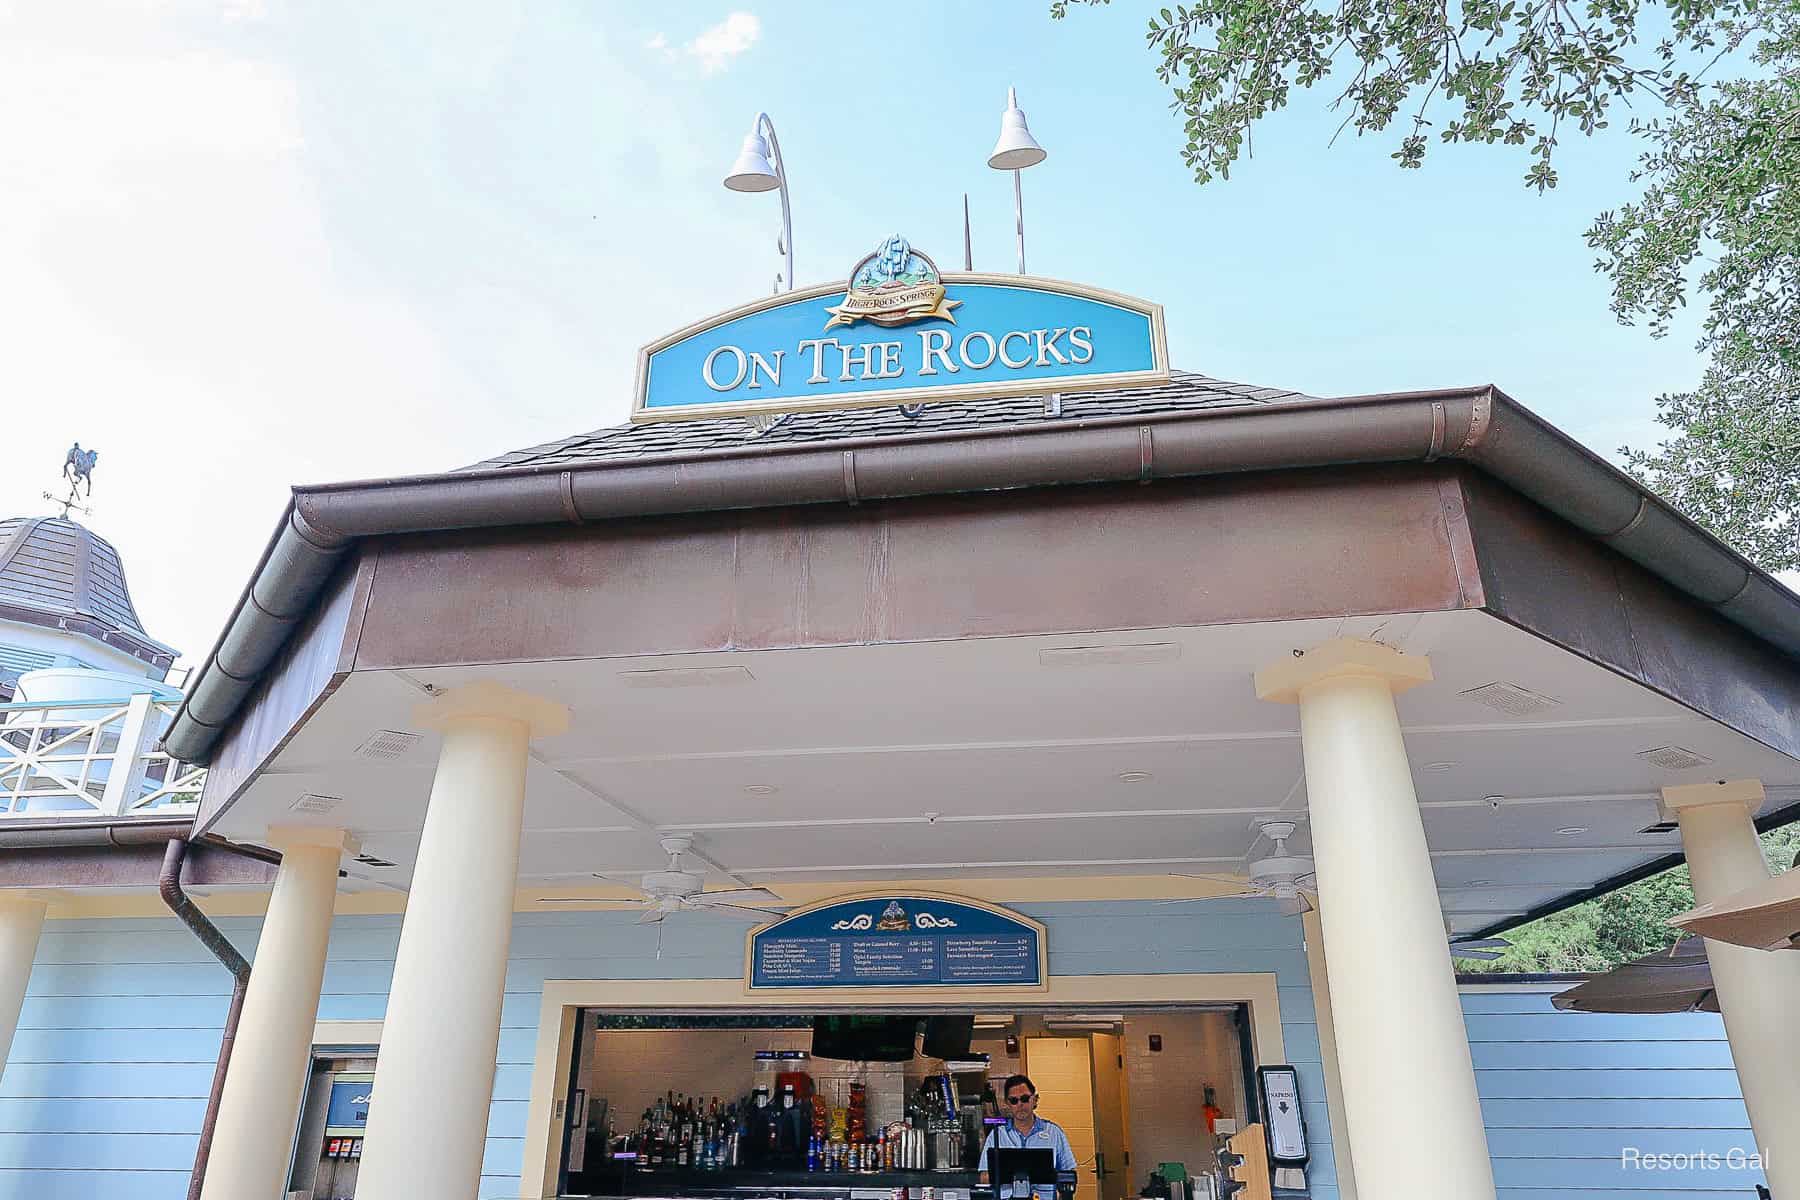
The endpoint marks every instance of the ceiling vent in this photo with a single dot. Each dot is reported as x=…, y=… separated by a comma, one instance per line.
x=1673, y=758
x=385, y=745
x=1109, y=656
x=371, y=860
x=675, y=677
x=1661, y=827
x=1510, y=698
x=316, y=804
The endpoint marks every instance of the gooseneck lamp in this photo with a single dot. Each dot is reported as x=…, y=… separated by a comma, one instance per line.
x=1015, y=151
x=760, y=168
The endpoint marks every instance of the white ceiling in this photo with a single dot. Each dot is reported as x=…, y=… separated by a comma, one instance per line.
x=975, y=759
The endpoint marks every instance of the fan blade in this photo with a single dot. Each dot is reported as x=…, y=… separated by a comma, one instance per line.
x=1293, y=906
x=590, y=900
x=633, y=881
x=1219, y=896
x=1483, y=955
x=1480, y=944
x=1237, y=879
x=753, y=895
x=651, y=917
x=737, y=910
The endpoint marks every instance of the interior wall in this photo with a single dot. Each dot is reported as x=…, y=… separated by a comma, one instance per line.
x=1166, y=1089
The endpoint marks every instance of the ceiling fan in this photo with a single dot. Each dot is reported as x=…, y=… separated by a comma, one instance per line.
x=1284, y=877
x=1289, y=879
x=1485, y=949
x=672, y=890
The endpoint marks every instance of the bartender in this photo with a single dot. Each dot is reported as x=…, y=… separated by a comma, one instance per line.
x=1027, y=1131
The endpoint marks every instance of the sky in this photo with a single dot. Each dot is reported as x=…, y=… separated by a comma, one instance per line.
x=251, y=244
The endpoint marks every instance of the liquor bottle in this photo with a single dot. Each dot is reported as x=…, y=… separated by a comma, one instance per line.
x=812, y=1154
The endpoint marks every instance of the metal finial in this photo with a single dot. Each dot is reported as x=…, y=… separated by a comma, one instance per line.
x=968, y=246
x=78, y=471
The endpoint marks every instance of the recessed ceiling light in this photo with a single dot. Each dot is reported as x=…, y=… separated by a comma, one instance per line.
x=1134, y=776
x=1439, y=766
x=1673, y=758
x=761, y=789
x=1571, y=830
x=386, y=744
x=1510, y=698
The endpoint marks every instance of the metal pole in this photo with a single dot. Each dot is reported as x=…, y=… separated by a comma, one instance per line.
x=1019, y=219
x=787, y=220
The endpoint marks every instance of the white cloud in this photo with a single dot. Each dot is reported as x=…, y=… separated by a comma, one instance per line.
x=231, y=267
x=714, y=47
x=169, y=270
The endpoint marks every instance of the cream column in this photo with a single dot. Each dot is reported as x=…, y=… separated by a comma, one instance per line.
x=1319, y=974
x=21, y=923
x=435, y=1071
x=1758, y=990
x=1413, y=1116
x=259, y=1107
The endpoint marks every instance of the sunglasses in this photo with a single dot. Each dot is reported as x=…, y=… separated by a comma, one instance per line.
x=1020, y=1099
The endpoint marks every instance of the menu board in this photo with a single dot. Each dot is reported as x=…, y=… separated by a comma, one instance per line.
x=897, y=941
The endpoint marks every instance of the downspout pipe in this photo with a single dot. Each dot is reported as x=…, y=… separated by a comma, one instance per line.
x=169, y=885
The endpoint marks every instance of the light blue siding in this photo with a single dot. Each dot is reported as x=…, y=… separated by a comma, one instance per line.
x=1568, y=1097
x=109, y=1071
x=111, y=1066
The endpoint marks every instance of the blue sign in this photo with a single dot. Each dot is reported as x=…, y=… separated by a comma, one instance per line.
x=347, y=1112
x=898, y=941
x=900, y=333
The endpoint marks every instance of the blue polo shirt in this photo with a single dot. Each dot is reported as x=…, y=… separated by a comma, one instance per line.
x=1043, y=1135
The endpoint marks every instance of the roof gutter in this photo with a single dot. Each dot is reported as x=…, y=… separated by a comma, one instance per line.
x=1481, y=426
x=104, y=831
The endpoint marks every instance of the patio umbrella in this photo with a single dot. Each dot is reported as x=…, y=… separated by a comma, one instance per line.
x=1765, y=916
x=1664, y=982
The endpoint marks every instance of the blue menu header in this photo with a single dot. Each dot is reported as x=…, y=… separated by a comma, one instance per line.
x=897, y=941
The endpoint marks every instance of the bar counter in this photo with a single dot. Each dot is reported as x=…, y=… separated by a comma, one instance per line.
x=733, y=1182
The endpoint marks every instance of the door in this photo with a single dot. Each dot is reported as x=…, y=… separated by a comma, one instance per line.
x=1112, y=1163
x=1063, y=1071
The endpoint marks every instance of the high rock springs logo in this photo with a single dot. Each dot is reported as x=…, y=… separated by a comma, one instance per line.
x=895, y=285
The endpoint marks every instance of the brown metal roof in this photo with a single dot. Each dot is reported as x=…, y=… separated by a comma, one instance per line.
x=1193, y=427
x=1186, y=391
x=60, y=574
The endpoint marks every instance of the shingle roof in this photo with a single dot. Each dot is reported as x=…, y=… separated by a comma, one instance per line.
x=69, y=576
x=1185, y=390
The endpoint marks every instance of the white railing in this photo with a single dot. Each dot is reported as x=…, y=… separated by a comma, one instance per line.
x=86, y=758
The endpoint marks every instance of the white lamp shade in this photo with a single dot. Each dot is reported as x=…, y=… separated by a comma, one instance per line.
x=1016, y=149
x=752, y=172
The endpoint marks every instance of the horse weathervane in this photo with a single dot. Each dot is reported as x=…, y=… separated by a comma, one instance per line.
x=78, y=470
